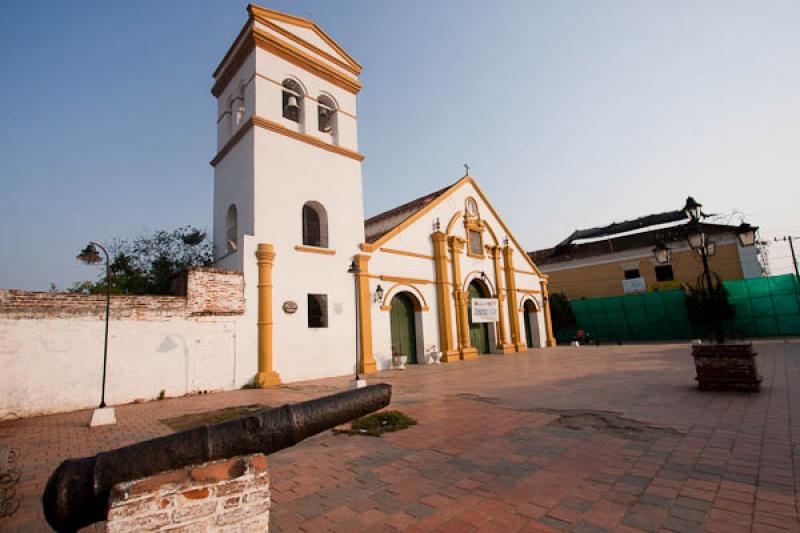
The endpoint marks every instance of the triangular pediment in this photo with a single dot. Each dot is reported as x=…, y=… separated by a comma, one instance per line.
x=305, y=34
x=382, y=228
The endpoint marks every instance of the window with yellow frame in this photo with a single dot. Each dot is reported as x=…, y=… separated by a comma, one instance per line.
x=474, y=228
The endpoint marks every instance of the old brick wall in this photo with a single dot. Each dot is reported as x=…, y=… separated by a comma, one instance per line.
x=201, y=291
x=214, y=291
x=228, y=495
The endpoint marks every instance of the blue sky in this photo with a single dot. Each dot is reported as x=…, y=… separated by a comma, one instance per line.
x=570, y=114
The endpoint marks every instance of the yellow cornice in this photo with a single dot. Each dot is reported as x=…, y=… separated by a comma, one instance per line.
x=355, y=70
x=230, y=51
x=264, y=16
x=251, y=37
x=309, y=139
x=410, y=281
x=528, y=291
x=314, y=250
x=303, y=60
x=283, y=130
x=409, y=254
x=235, y=138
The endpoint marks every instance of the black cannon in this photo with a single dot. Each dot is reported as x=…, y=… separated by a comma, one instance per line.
x=77, y=493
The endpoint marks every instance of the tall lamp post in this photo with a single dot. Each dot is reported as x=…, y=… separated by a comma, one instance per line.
x=102, y=415
x=698, y=241
x=355, y=270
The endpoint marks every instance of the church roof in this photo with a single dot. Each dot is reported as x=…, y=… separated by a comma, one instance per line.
x=379, y=225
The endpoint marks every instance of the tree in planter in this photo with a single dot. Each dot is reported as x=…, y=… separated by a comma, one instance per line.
x=147, y=264
x=708, y=307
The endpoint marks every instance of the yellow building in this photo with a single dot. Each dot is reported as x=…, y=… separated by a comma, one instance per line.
x=618, y=259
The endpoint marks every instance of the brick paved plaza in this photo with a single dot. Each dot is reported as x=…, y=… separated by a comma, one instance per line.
x=586, y=439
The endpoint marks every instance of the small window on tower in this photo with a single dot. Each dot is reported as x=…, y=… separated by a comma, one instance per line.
x=664, y=273
x=318, y=310
x=292, y=100
x=475, y=243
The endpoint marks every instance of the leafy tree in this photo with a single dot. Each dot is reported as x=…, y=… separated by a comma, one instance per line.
x=561, y=312
x=147, y=264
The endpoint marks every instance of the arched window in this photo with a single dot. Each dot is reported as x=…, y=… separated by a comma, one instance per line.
x=232, y=229
x=326, y=115
x=292, y=100
x=315, y=225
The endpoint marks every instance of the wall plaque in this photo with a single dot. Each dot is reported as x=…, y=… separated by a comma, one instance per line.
x=289, y=307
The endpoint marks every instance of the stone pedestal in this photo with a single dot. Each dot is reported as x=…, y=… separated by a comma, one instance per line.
x=103, y=416
x=229, y=495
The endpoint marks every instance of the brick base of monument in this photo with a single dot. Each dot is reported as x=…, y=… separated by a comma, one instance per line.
x=726, y=366
x=220, y=496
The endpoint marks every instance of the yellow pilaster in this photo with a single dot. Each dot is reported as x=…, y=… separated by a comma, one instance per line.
x=502, y=345
x=367, y=360
x=548, y=321
x=511, y=292
x=449, y=353
x=464, y=346
x=265, y=258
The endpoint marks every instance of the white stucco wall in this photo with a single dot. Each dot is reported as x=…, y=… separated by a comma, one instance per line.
x=54, y=365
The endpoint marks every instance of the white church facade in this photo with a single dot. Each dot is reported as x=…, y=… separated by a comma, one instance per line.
x=321, y=283
x=302, y=286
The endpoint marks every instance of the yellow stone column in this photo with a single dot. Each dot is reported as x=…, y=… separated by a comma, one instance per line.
x=511, y=293
x=449, y=353
x=548, y=321
x=366, y=363
x=265, y=257
x=464, y=346
x=502, y=345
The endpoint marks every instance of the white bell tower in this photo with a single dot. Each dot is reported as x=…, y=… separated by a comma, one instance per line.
x=288, y=174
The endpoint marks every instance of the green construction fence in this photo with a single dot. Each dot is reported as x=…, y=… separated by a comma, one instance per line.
x=765, y=307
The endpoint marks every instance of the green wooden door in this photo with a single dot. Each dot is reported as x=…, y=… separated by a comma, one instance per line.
x=479, y=332
x=404, y=338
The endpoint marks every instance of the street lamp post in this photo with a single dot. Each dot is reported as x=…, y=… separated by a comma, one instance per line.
x=698, y=241
x=102, y=415
x=354, y=269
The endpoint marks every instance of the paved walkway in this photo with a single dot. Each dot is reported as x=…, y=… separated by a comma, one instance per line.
x=586, y=439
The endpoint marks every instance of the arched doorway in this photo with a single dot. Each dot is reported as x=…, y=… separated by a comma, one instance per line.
x=403, y=325
x=478, y=332
x=531, y=324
